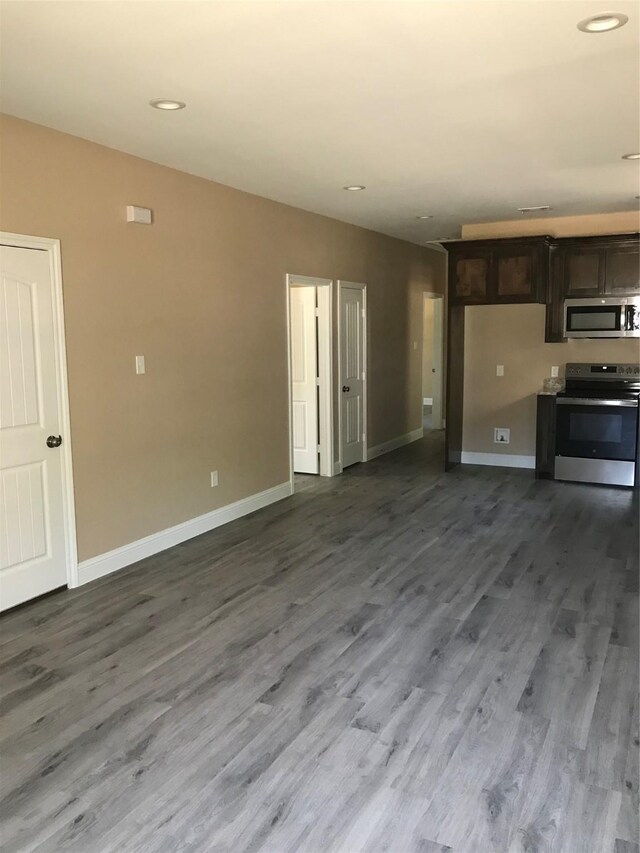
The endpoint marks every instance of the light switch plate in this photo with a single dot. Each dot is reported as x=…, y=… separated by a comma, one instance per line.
x=554, y=372
x=499, y=369
x=140, y=366
x=214, y=479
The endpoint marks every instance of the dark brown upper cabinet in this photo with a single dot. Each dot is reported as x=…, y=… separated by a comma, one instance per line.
x=498, y=271
x=583, y=272
x=470, y=276
x=544, y=269
x=622, y=270
x=515, y=275
x=601, y=266
x=581, y=268
x=518, y=273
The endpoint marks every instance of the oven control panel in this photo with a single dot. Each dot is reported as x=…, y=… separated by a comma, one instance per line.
x=602, y=371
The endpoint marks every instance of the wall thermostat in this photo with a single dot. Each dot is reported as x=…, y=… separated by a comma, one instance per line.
x=139, y=214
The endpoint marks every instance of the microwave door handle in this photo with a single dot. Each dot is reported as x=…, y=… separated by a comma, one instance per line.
x=585, y=401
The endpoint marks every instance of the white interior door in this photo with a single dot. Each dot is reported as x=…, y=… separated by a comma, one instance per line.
x=438, y=345
x=304, y=386
x=352, y=366
x=32, y=519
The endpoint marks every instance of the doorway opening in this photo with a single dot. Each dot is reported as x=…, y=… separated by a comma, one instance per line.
x=310, y=342
x=432, y=361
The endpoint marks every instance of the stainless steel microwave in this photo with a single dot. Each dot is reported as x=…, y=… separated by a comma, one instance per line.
x=602, y=317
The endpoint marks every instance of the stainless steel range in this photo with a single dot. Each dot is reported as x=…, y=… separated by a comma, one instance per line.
x=597, y=424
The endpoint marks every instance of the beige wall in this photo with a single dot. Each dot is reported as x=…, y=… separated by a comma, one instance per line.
x=427, y=349
x=513, y=335
x=556, y=226
x=201, y=294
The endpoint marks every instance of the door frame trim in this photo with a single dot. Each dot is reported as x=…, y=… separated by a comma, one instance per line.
x=365, y=382
x=324, y=289
x=52, y=247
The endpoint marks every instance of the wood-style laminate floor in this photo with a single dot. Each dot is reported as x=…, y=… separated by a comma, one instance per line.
x=391, y=660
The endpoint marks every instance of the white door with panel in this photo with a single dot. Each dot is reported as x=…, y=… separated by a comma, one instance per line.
x=304, y=384
x=438, y=344
x=352, y=367
x=33, y=552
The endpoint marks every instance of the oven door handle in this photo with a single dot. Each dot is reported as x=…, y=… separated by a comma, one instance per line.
x=585, y=401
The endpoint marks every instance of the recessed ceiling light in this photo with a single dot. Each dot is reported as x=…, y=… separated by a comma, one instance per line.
x=166, y=104
x=603, y=22
x=537, y=209
x=424, y=216
x=354, y=188
x=631, y=156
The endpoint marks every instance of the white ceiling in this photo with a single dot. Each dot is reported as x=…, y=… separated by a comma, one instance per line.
x=462, y=110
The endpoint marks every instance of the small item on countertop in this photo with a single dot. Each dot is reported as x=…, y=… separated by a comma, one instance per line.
x=553, y=384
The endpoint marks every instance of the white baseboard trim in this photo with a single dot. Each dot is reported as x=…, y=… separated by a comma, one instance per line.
x=394, y=444
x=427, y=401
x=502, y=460
x=104, y=564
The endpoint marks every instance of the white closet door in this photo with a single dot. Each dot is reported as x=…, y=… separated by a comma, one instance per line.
x=351, y=378
x=304, y=387
x=32, y=528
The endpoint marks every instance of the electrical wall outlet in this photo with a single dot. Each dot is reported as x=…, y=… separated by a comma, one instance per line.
x=214, y=479
x=501, y=435
x=499, y=369
x=554, y=372
x=140, y=365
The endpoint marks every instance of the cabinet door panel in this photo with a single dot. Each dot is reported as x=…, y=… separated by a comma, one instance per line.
x=622, y=271
x=584, y=273
x=471, y=280
x=515, y=278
